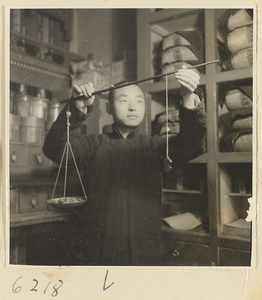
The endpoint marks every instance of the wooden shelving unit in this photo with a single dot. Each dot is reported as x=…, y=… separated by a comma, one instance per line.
x=37, y=64
x=181, y=191
x=216, y=197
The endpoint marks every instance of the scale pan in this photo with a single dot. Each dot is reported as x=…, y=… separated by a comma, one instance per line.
x=67, y=202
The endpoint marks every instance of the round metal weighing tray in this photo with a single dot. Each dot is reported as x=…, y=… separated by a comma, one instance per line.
x=67, y=202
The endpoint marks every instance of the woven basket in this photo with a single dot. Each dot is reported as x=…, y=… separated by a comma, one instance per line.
x=240, y=38
x=175, y=67
x=239, y=19
x=243, y=112
x=184, y=38
x=240, y=141
x=173, y=128
x=236, y=99
x=173, y=116
x=243, y=143
x=178, y=54
x=174, y=39
x=242, y=59
x=242, y=123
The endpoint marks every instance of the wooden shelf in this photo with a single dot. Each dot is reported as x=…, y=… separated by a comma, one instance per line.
x=44, y=183
x=202, y=159
x=154, y=26
x=182, y=191
x=165, y=15
x=39, y=42
x=234, y=157
x=233, y=75
x=41, y=69
x=21, y=60
x=246, y=195
x=160, y=86
x=227, y=240
x=34, y=218
x=45, y=75
x=33, y=176
x=198, y=235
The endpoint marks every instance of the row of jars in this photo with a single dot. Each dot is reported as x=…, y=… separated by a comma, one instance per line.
x=25, y=105
x=31, y=116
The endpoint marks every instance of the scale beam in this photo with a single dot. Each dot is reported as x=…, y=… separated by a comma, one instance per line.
x=134, y=82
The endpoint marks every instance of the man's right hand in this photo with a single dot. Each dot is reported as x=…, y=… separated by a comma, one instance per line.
x=85, y=90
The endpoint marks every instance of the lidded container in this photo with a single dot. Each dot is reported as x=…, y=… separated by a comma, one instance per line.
x=54, y=110
x=12, y=95
x=32, y=130
x=40, y=105
x=22, y=102
x=15, y=122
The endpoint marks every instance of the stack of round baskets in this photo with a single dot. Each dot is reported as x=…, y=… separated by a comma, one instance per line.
x=238, y=101
x=240, y=39
x=161, y=125
x=181, y=48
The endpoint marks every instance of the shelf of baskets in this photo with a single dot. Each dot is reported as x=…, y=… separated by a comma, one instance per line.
x=165, y=39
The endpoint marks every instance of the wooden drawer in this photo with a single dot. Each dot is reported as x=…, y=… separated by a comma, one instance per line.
x=32, y=199
x=36, y=157
x=13, y=200
x=185, y=254
x=18, y=155
x=234, y=257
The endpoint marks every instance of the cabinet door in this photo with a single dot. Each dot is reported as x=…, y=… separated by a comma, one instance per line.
x=186, y=254
x=235, y=190
x=18, y=153
x=234, y=257
x=32, y=199
x=13, y=200
x=36, y=157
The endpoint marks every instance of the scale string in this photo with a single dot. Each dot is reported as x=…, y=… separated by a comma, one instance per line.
x=66, y=152
x=59, y=170
x=167, y=128
x=78, y=173
x=68, y=113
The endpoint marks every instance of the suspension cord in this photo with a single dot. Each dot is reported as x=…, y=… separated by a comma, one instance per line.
x=66, y=153
x=68, y=114
x=167, y=128
x=167, y=161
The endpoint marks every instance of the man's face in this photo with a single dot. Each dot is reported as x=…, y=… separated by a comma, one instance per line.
x=128, y=106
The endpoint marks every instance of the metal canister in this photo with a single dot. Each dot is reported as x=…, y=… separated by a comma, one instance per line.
x=12, y=95
x=22, y=103
x=40, y=105
x=15, y=122
x=54, y=110
x=32, y=130
x=39, y=108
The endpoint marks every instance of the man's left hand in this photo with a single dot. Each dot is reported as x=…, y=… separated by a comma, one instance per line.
x=189, y=80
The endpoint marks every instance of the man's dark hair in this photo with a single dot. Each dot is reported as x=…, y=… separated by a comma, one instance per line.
x=111, y=93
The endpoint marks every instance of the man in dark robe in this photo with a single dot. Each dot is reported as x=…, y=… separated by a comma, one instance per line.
x=121, y=223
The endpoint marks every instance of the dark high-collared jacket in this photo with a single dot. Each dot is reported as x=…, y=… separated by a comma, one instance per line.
x=121, y=222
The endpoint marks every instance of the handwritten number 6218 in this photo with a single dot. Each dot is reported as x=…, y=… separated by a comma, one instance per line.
x=17, y=288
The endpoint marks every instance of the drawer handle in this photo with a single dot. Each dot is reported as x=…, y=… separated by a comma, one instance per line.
x=176, y=253
x=39, y=157
x=13, y=156
x=33, y=201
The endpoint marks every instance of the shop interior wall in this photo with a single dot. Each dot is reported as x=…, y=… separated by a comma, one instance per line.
x=106, y=33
